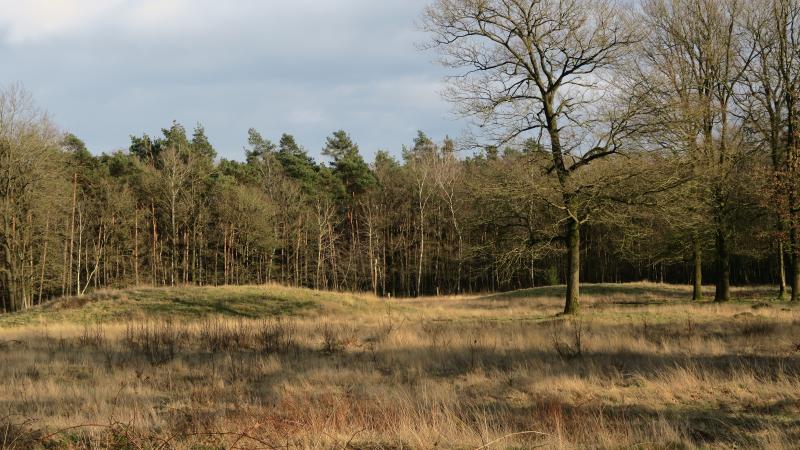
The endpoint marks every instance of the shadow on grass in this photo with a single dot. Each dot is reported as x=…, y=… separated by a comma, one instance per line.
x=700, y=426
x=627, y=290
x=190, y=303
x=245, y=307
x=608, y=365
x=631, y=294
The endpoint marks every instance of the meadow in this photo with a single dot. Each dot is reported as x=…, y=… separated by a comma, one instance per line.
x=278, y=367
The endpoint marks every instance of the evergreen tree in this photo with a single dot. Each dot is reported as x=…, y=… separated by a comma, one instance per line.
x=297, y=164
x=200, y=145
x=348, y=164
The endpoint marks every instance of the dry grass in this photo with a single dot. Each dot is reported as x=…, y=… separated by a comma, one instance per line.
x=641, y=368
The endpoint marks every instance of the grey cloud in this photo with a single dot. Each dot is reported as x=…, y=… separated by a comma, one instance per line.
x=299, y=69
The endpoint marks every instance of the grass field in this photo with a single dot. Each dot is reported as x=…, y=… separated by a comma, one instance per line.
x=277, y=367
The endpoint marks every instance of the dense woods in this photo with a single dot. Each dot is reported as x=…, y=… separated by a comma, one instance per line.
x=665, y=151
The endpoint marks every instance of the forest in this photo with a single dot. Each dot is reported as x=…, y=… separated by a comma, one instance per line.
x=607, y=257
x=617, y=144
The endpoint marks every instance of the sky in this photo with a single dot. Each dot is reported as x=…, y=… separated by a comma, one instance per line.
x=108, y=69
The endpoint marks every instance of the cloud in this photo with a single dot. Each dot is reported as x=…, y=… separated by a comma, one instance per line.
x=110, y=68
x=32, y=20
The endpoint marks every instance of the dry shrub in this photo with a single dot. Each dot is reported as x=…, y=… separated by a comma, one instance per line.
x=438, y=335
x=17, y=433
x=387, y=326
x=337, y=338
x=217, y=335
x=92, y=336
x=277, y=337
x=158, y=342
x=567, y=336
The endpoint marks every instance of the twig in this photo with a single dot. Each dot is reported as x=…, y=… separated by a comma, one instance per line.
x=62, y=430
x=244, y=435
x=347, y=445
x=521, y=433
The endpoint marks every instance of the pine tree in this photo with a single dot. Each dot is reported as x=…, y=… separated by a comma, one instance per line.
x=348, y=164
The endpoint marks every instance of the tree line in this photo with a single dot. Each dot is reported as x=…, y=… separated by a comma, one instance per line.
x=655, y=142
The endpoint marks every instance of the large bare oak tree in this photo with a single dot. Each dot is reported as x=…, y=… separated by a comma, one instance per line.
x=540, y=69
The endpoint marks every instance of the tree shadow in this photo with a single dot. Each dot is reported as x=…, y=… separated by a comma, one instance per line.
x=702, y=426
x=597, y=290
x=633, y=294
x=251, y=307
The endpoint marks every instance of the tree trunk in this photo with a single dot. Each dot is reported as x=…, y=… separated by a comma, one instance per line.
x=65, y=269
x=136, y=246
x=186, y=244
x=723, y=290
x=225, y=255
x=174, y=236
x=44, y=258
x=782, y=272
x=153, y=263
x=795, y=263
x=72, y=230
x=80, y=248
x=573, y=266
x=697, y=280
x=421, y=252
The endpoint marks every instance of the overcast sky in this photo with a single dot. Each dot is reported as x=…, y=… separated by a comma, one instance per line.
x=106, y=69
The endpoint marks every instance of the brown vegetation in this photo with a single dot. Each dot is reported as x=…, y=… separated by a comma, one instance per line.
x=639, y=369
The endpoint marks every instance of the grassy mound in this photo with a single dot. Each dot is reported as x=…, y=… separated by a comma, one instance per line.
x=258, y=302
x=190, y=302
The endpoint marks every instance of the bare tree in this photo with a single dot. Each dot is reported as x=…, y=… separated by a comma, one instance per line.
x=421, y=160
x=697, y=56
x=28, y=173
x=540, y=68
x=770, y=99
x=176, y=172
x=448, y=176
x=672, y=86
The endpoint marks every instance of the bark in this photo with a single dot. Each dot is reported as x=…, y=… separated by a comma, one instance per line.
x=782, y=272
x=225, y=255
x=173, y=236
x=136, y=246
x=72, y=230
x=697, y=280
x=334, y=263
x=186, y=244
x=795, y=239
x=80, y=248
x=421, y=247
x=723, y=287
x=44, y=258
x=153, y=264
x=573, y=267
x=64, y=269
